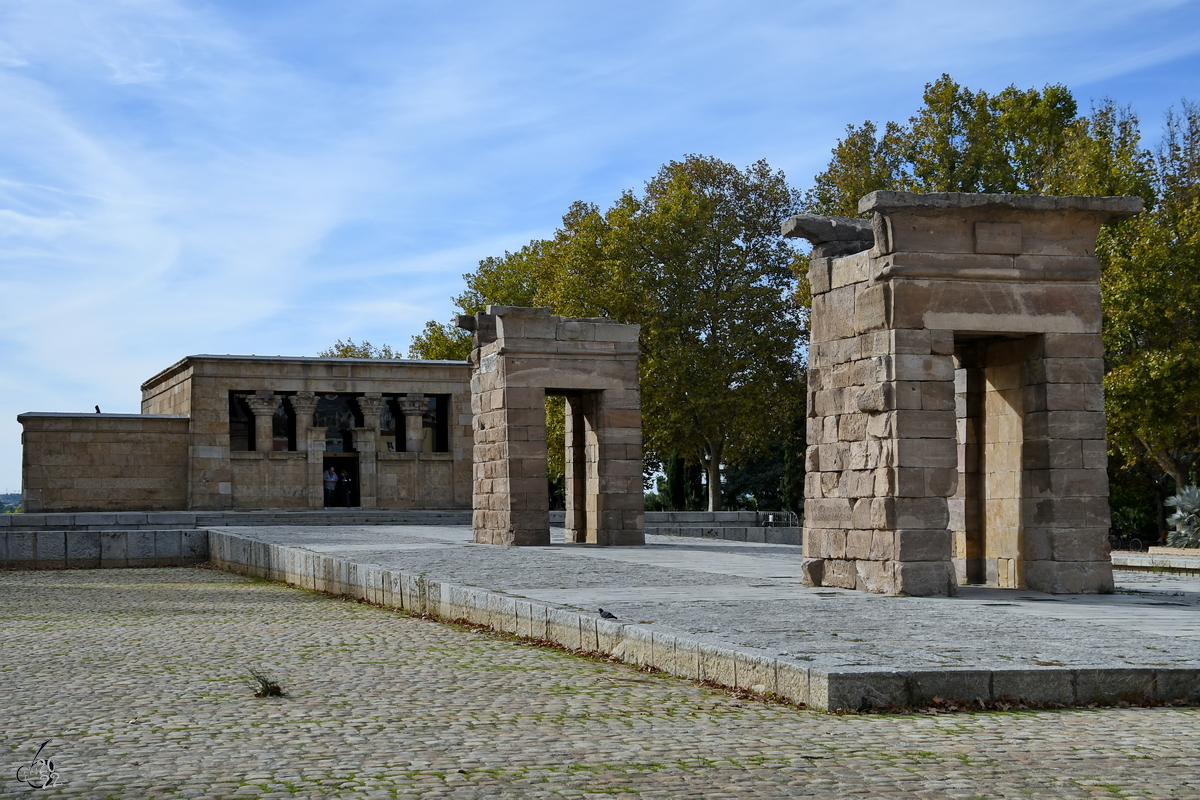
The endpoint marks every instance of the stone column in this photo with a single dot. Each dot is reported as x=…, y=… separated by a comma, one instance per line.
x=304, y=405
x=414, y=407
x=576, y=468
x=262, y=405
x=371, y=406
x=613, y=448
x=366, y=442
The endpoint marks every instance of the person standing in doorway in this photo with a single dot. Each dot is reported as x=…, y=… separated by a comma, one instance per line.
x=343, y=488
x=330, y=479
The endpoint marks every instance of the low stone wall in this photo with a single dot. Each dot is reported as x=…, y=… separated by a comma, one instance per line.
x=756, y=535
x=188, y=520
x=732, y=526
x=1158, y=562
x=715, y=519
x=46, y=549
x=100, y=462
x=1186, y=552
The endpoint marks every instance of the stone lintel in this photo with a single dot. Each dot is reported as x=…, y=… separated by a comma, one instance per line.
x=889, y=201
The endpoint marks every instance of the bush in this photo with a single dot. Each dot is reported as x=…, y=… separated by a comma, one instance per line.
x=1186, y=518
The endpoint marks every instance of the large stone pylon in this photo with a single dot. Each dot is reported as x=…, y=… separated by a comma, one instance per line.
x=956, y=415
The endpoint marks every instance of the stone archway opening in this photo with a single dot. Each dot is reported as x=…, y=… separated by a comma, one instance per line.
x=991, y=379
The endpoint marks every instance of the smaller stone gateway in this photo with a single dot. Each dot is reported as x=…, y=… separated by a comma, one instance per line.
x=955, y=412
x=520, y=356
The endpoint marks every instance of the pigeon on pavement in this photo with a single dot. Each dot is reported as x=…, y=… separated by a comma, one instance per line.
x=607, y=614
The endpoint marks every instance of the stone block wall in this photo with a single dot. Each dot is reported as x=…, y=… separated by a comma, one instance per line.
x=101, y=462
x=269, y=480
x=883, y=457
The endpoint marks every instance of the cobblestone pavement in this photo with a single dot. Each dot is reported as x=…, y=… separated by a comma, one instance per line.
x=133, y=676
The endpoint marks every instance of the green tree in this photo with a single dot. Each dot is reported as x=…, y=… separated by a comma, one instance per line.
x=862, y=162
x=1151, y=286
x=1029, y=141
x=440, y=342
x=959, y=141
x=721, y=366
x=698, y=261
x=352, y=349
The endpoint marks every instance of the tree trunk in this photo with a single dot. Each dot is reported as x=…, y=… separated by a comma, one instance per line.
x=712, y=463
x=676, y=482
x=1160, y=508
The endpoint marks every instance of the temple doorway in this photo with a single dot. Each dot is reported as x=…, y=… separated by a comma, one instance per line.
x=346, y=493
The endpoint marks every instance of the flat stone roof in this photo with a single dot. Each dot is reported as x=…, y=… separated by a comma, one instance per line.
x=182, y=363
x=883, y=200
x=94, y=415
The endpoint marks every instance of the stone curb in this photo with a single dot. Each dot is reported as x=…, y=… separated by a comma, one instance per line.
x=688, y=656
x=1154, y=562
x=49, y=549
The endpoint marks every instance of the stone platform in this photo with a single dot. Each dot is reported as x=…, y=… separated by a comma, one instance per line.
x=736, y=614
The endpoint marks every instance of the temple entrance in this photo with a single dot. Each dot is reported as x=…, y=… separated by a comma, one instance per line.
x=346, y=493
x=991, y=377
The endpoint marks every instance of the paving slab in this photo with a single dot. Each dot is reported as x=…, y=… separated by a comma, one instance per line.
x=747, y=596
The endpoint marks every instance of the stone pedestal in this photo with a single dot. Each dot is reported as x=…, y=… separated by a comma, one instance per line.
x=520, y=356
x=955, y=411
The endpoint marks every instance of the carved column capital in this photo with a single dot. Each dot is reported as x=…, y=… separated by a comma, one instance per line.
x=262, y=403
x=371, y=406
x=304, y=404
x=414, y=405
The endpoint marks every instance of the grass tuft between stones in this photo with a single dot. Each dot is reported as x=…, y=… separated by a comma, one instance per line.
x=263, y=683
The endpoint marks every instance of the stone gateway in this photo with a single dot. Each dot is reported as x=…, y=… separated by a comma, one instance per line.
x=520, y=355
x=955, y=412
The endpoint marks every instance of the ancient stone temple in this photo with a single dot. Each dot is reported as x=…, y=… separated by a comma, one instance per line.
x=955, y=418
x=520, y=355
x=222, y=432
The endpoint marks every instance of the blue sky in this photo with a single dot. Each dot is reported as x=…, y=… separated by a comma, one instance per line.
x=266, y=177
